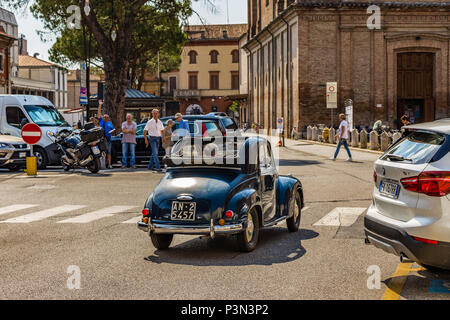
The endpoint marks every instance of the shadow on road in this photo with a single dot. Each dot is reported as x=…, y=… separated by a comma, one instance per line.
x=276, y=245
x=297, y=163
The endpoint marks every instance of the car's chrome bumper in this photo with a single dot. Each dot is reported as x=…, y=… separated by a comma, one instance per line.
x=210, y=229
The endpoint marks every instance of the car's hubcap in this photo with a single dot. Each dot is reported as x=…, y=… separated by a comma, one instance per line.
x=38, y=156
x=296, y=212
x=250, y=228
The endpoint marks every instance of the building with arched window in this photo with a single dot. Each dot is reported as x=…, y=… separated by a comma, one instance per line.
x=389, y=57
x=209, y=70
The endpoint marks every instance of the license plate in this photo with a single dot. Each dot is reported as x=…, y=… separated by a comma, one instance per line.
x=389, y=189
x=95, y=150
x=183, y=211
x=22, y=155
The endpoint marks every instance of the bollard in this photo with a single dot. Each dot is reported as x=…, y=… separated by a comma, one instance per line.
x=363, y=139
x=315, y=133
x=326, y=134
x=396, y=136
x=309, y=133
x=385, y=141
x=332, y=134
x=31, y=166
x=373, y=142
x=355, y=138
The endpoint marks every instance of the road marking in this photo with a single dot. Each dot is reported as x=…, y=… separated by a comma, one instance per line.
x=40, y=215
x=398, y=279
x=16, y=207
x=133, y=220
x=98, y=214
x=337, y=217
x=305, y=208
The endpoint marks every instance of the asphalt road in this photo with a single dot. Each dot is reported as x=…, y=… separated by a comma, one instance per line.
x=324, y=260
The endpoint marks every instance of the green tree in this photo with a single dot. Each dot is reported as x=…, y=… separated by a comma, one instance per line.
x=117, y=27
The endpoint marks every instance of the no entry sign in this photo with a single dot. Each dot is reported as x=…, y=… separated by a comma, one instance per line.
x=31, y=133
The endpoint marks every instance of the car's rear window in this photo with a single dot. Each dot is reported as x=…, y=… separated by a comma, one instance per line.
x=229, y=124
x=417, y=147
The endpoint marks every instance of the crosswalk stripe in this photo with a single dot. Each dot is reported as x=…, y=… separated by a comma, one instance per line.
x=344, y=217
x=133, y=220
x=16, y=207
x=98, y=214
x=40, y=215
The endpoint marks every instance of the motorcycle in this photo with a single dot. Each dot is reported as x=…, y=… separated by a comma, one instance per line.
x=81, y=148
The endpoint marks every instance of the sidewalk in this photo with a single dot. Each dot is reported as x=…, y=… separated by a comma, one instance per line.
x=328, y=150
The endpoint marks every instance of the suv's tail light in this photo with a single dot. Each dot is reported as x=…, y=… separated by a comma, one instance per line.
x=433, y=183
x=375, y=177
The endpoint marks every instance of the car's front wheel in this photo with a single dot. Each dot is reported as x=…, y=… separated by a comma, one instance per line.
x=248, y=239
x=293, y=223
x=161, y=241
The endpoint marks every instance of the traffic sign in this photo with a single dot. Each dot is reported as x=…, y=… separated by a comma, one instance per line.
x=83, y=100
x=31, y=133
x=332, y=95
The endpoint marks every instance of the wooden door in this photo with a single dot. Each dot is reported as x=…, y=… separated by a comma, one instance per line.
x=415, y=74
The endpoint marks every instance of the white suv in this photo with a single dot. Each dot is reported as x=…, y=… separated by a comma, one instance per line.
x=410, y=213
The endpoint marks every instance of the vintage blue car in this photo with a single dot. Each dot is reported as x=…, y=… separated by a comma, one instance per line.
x=233, y=190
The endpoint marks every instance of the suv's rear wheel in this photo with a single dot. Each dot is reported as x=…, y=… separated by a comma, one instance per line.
x=248, y=239
x=161, y=241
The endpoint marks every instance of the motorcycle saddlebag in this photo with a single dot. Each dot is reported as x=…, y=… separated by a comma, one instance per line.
x=103, y=146
x=85, y=151
x=92, y=134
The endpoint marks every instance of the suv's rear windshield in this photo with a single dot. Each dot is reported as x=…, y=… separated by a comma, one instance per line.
x=417, y=147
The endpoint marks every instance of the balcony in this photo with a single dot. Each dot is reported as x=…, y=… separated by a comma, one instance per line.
x=186, y=94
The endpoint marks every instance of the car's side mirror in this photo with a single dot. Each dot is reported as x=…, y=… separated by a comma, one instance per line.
x=23, y=122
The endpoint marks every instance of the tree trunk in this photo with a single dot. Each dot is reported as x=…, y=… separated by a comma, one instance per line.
x=115, y=91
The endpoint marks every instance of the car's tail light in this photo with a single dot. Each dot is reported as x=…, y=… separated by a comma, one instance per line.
x=229, y=214
x=375, y=177
x=145, y=212
x=425, y=240
x=432, y=183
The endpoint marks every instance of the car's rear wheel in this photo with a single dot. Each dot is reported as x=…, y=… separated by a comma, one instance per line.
x=248, y=239
x=161, y=241
x=293, y=223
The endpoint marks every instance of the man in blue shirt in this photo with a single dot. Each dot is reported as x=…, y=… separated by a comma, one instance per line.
x=182, y=126
x=106, y=124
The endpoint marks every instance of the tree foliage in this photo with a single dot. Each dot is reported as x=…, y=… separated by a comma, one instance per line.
x=127, y=35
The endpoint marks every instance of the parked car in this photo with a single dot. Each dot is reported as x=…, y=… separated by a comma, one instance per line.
x=410, y=213
x=13, y=152
x=223, y=123
x=238, y=196
x=198, y=126
x=142, y=152
x=220, y=114
x=18, y=110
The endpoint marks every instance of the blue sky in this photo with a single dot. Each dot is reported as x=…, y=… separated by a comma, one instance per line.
x=237, y=14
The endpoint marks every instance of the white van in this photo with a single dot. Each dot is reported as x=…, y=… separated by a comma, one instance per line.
x=17, y=110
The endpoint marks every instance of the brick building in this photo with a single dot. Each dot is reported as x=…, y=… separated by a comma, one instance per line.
x=294, y=48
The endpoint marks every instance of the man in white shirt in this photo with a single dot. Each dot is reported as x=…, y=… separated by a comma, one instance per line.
x=154, y=128
x=343, y=138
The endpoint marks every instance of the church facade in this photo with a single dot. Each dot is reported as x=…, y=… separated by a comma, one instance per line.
x=390, y=59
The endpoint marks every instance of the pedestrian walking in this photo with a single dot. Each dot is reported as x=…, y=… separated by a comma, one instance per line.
x=155, y=129
x=105, y=122
x=343, y=138
x=129, y=142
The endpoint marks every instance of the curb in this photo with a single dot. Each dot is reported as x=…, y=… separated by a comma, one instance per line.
x=330, y=145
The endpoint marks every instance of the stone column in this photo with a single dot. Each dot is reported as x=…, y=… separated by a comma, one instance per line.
x=363, y=139
x=355, y=138
x=373, y=140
